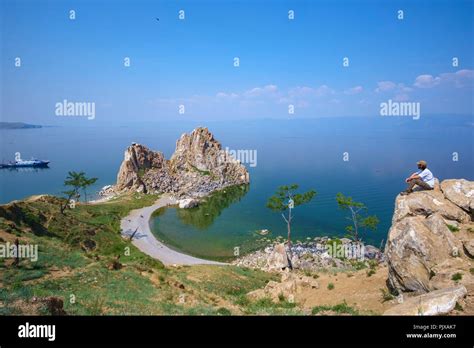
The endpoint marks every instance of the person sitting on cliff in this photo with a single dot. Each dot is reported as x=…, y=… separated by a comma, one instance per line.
x=423, y=178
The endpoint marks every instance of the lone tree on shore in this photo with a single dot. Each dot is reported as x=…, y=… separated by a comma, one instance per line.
x=285, y=200
x=75, y=181
x=86, y=182
x=358, y=216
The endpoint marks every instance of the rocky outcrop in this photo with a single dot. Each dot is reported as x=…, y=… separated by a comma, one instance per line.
x=143, y=170
x=278, y=258
x=437, y=302
x=460, y=192
x=430, y=242
x=198, y=166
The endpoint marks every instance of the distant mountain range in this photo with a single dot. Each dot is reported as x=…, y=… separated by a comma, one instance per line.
x=17, y=125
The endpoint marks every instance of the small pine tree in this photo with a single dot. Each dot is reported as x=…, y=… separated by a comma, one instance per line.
x=358, y=216
x=285, y=200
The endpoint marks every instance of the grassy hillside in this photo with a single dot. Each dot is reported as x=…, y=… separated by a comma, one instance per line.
x=77, y=252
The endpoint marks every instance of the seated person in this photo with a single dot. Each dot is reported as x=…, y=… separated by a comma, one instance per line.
x=423, y=178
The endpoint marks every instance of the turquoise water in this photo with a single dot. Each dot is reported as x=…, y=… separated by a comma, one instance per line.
x=382, y=152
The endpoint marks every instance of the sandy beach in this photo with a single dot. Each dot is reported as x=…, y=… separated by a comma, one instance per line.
x=147, y=242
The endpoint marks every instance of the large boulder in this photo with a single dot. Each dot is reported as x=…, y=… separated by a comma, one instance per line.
x=426, y=203
x=278, y=259
x=434, y=303
x=197, y=167
x=460, y=192
x=469, y=247
x=430, y=239
x=414, y=247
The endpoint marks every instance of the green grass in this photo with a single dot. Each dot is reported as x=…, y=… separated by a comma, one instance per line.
x=341, y=308
x=143, y=286
x=456, y=277
x=330, y=286
x=266, y=306
x=358, y=265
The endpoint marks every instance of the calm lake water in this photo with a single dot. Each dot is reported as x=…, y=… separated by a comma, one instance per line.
x=382, y=152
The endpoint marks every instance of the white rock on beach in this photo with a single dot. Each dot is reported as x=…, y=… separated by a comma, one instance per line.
x=106, y=190
x=187, y=203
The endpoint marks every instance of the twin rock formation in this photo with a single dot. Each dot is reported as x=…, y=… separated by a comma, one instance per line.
x=198, y=167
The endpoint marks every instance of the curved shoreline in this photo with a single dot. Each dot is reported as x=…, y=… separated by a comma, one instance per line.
x=147, y=242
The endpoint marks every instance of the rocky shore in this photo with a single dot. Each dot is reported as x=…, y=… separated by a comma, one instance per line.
x=313, y=255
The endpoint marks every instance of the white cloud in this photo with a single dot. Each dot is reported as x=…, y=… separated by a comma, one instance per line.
x=266, y=91
x=354, y=90
x=300, y=92
x=458, y=79
x=426, y=81
x=223, y=95
x=323, y=91
x=260, y=99
x=384, y=86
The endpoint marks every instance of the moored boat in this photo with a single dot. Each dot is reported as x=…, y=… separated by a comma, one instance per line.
x=20, y=163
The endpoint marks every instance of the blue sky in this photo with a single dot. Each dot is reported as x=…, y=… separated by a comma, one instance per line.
x=190, y=62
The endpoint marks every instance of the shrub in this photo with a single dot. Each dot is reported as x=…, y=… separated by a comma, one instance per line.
x=370, y=272
x=386, y=295
x=452, y=228
x=456, y=277
x=223, y=311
